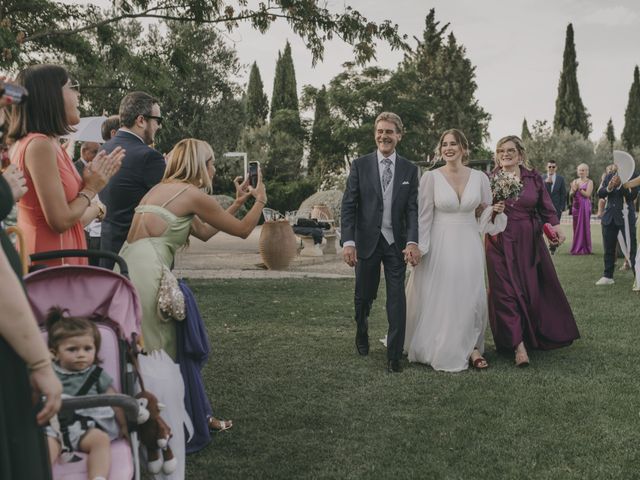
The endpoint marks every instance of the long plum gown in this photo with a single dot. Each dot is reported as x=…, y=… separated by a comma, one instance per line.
x=526, y=300
x=581, y=210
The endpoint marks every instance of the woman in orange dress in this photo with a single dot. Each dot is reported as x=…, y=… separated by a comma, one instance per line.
x=59, y=202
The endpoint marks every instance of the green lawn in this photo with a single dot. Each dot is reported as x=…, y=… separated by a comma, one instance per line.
x=304, y=405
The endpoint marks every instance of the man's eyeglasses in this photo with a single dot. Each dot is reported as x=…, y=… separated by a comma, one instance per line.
x=551, y=166
x=156, y=118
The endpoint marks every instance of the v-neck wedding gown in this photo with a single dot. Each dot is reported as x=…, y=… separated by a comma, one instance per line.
x=446, y=295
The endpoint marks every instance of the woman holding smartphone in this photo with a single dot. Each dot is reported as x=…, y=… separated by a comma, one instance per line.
x=180, y=206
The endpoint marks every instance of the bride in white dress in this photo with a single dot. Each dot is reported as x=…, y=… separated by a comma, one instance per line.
x=446, y=294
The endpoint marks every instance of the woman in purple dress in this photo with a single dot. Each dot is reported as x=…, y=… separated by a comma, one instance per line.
x=527, y=306
x=581, y=190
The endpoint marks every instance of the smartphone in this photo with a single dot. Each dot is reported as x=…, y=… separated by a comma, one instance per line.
x=252, y=174
x=15, y=93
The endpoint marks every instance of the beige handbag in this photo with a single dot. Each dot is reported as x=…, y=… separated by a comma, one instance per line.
x=170, y=297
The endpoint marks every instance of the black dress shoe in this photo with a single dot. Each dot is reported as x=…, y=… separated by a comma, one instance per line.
x=393, y=366
x=362, y=344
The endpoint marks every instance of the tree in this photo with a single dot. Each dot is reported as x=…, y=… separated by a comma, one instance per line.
x=566, y=148
x=631, y=133
x=324, y=156
x=286, y=137
x=526, y=134
x=435, y=90
x=256, y=102
x=30, y=28
x=187, y=67
x=610, y=133
x=356, y=97
x=570, y=114
x=285, y=90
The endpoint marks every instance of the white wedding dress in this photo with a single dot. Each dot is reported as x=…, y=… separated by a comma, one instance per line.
x=446, y=294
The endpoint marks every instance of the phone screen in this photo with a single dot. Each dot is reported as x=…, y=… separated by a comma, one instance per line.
x=253, y=173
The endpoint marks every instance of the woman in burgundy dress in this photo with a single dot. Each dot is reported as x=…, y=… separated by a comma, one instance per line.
x=527, y=306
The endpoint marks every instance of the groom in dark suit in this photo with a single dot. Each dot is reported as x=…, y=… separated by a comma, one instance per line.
x=556, y=187
x=379, y=225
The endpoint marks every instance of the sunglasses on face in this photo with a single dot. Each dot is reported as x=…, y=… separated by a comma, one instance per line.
x=156, y=118
x=74, y=86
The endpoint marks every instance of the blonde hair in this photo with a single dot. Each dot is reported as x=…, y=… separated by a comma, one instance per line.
x=460, y=138
x=583, y=165
x=519, y=146
x=187, y=162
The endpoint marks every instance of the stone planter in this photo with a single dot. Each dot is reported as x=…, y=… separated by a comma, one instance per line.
x=278, y=245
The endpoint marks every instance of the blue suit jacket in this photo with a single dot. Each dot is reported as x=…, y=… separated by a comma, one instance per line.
x=615, y=202
x=142, y=168
x=361, y=213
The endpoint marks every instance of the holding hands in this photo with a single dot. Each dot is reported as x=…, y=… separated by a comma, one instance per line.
x=412, y=254
x=98, y=173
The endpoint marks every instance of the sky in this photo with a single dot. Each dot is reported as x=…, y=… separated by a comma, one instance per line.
x=515, y=45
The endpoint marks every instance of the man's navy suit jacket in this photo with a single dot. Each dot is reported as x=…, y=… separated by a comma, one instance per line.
x=142, y=168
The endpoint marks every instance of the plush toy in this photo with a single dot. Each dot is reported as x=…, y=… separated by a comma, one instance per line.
x=155, y=434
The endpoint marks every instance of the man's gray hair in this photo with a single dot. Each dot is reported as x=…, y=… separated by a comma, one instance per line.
x=390, y=117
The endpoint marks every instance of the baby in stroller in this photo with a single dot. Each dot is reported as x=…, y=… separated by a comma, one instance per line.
x=75, y=344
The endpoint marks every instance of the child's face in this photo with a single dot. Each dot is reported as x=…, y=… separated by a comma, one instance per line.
x=76, y=353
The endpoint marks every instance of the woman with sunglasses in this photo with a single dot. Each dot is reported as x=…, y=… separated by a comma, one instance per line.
x=527, y=306
x=59, y=202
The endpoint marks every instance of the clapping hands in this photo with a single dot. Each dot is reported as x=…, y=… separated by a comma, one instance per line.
x=16, y=181
x=98, y=173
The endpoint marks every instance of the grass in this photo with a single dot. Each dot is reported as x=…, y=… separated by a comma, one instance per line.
x=304, y=405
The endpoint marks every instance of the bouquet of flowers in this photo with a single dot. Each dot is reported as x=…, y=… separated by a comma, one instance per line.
x=505, y=186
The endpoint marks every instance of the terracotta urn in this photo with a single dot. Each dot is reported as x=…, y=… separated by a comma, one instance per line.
x=278, y=244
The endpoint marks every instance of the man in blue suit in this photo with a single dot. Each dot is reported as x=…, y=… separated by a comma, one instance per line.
x=142, y=168
x=556, y=187
x=613, y=222
x=379, y=225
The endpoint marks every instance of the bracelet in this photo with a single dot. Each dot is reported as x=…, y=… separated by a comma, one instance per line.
x=84, y=194
x=263, y=202
x=45, y=362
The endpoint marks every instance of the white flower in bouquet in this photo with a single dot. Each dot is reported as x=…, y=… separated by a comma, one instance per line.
x=505, y=186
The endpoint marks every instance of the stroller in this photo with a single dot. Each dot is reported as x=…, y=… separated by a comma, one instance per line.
x=85, y=291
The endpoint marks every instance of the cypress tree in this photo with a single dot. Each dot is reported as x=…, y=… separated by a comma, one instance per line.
x=256, y=102
x=631, y=132
x=320, y=142
x=286, y=136
x=526, y=134
x=285, y=93
x=570, y=111
x=610, y=133
x=278, y=86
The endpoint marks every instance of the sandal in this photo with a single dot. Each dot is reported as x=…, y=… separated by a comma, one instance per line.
x=480, y=363
x=216, y=425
